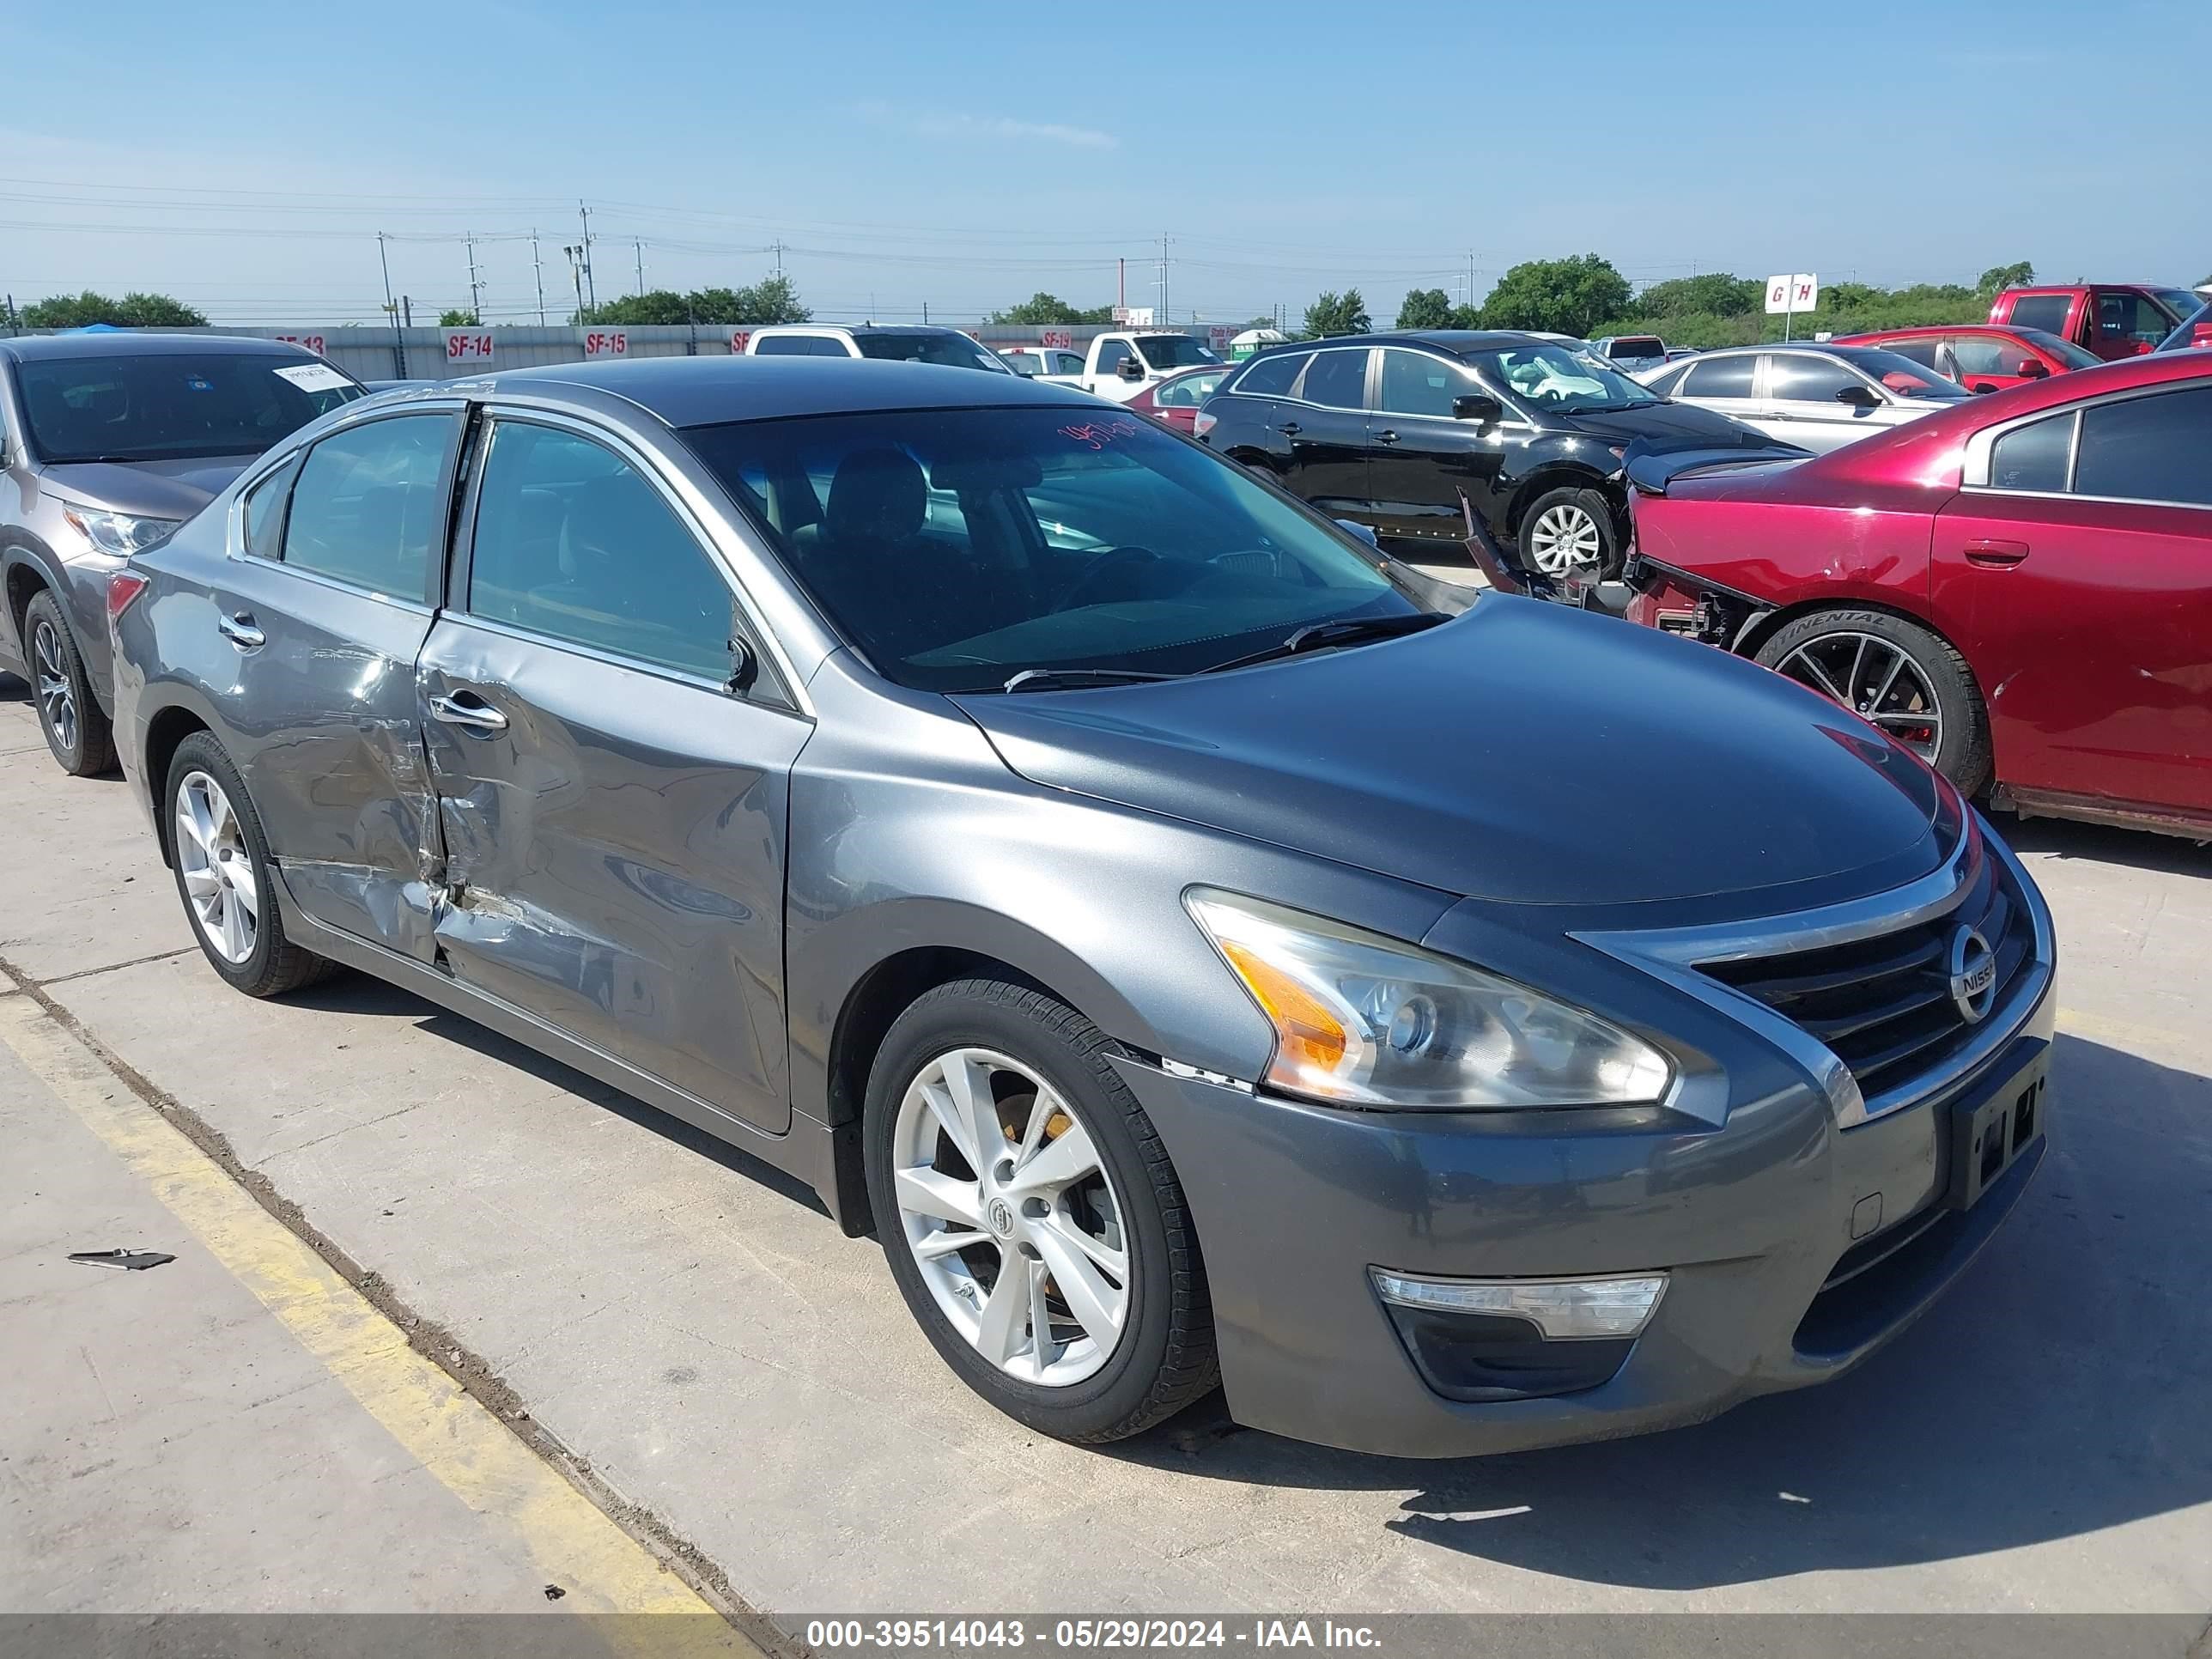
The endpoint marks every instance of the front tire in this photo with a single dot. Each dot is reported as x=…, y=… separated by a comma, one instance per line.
x=224, y=876
x=1572, y=530
x=1900, y=676
x=1033, y=1221
x=76, y=731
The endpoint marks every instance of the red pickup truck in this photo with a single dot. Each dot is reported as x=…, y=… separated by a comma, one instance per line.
x=2113, y=319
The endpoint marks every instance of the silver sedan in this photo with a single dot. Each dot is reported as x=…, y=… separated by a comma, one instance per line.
x=1817, y=396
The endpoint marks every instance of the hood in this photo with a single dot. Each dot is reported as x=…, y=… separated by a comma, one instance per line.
x=152, y=489
x=1663, y=422
x=1524, y=752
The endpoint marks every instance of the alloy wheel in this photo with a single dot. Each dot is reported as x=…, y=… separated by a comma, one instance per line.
x=1876, y=678
x=1564, y=537
x=1011, y=1216
x=217, y=867
x=56, y=697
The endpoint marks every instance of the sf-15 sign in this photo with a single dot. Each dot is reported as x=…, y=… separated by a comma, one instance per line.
x=606, y=343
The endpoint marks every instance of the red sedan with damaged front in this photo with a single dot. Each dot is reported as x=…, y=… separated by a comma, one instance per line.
x=2019, y=588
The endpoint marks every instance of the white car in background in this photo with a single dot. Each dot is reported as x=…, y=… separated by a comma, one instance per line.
x=905, y=342
x=1817, y=396
x=1048, y=363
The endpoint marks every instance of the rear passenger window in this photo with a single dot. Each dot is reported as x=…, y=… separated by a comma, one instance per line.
x=367, y=509
x=1807, y=380
x=2034, y=456
x=572, y=543
x=1337, y=380
x=2155, y=448
x=1271, y=377
x=1721, y=377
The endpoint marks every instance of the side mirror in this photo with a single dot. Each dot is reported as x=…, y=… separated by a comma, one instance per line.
x=1479, y=407
x=745, y=668
x=1859, y=396
x=1130, y=369
x=2033, y=369
x=1983, y=388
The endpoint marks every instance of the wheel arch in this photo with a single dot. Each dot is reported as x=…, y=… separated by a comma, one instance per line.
x=25, y=578
x=1553, y=475
x=165, y=731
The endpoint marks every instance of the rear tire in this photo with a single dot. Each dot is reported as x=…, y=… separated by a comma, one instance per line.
x=69, y=718
x=1039, y=1074
x=224, y=875
x=1895, y=673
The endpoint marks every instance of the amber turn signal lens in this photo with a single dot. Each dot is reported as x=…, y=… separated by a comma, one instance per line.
x=1307, y=1030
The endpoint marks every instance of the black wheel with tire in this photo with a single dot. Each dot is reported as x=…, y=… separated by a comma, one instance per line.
x=221, y=858
x=1574, y=528
x=69, y=715
x=1895, y=673
x=1033, y=1221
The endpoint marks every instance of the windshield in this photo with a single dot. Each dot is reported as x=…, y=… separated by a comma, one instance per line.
x=953, y=350
x=2066, y=351
x=1175, y=351
x=1553, y=377
x=958, y=548
x=2178, y=301
x=1904, y=376
x=173, y=406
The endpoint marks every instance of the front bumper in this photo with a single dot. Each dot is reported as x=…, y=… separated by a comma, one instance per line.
x=1795, y=1247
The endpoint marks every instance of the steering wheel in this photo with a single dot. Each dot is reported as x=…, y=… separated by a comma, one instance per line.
x=1097, y=570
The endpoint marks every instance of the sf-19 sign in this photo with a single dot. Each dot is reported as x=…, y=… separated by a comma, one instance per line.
x=606, y=343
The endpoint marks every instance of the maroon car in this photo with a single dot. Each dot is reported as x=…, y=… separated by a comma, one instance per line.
x=1981, y=357
x=2020, y=588
x=1174, y=400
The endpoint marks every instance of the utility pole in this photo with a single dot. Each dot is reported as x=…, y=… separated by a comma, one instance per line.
x=776, y=248
x=925, y=312
x=475, y=288
x=1470, y=279
x=398, y=343
x=537, y=269
x=639, y=244
x=407, y=309
x=1165, y=312
x=575, y=253
x=591, y=288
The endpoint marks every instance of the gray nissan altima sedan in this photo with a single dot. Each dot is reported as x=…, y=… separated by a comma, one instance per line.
x=1197, y=954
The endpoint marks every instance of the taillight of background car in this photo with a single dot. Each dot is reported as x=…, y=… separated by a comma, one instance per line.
x=1201, y=423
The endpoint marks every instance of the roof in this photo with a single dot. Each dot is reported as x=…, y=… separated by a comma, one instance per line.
x=134, y=343
x=855, y=328
x=1457, y=342
x=711, y=391
x=1871, y=336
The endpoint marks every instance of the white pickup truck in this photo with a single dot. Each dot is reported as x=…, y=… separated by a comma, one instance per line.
x=1119, y=365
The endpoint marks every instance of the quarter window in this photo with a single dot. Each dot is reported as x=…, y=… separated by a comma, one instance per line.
x=2034, y=456
x=1337, y=380
x=574, y=544
x=1721, y=377
x=367, y=509
x=1416, y=384
x=2155, y=448
x=265, y=512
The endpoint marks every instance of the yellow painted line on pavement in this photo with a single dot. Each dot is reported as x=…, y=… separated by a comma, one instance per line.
x=2104, y=1028
x=602, y=1569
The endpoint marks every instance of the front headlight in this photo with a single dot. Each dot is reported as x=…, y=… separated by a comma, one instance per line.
x=1362, y=1019
x=118, y=534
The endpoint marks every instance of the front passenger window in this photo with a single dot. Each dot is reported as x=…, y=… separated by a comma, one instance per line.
x=368, y=508
x=573, y=544
x=1415, y=384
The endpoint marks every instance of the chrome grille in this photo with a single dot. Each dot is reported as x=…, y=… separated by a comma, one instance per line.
x=1883, y=1004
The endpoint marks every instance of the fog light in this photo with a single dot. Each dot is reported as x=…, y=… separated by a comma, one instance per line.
x=1562, y=1309
x=1495, y=1339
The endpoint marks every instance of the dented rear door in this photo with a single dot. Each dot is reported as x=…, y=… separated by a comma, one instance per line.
x=613, y=810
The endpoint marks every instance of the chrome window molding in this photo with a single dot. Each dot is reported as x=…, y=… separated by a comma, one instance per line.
x=1974, y=475
x=1672, y=955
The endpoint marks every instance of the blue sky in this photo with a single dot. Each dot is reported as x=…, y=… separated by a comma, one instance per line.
x=964, y=156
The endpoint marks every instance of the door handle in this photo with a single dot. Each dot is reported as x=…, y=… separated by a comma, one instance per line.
x=474, y=715
x=1288, y=428
x=1996, y=554
x=1386, y=437
x=241, y=631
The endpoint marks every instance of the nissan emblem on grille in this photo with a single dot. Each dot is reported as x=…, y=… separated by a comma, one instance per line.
x=1973, y=974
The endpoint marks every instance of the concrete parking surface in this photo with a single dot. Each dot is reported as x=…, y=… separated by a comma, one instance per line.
x=690, y=1328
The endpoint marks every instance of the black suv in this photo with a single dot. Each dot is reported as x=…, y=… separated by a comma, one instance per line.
x=1391, y=430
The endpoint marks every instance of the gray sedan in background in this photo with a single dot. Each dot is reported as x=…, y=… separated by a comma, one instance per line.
x=1817, y=396
x=1016, y=822
x=109, y=441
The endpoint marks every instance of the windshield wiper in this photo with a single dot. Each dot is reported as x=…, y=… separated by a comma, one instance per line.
x=1062, y=679
x=1321, y=636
